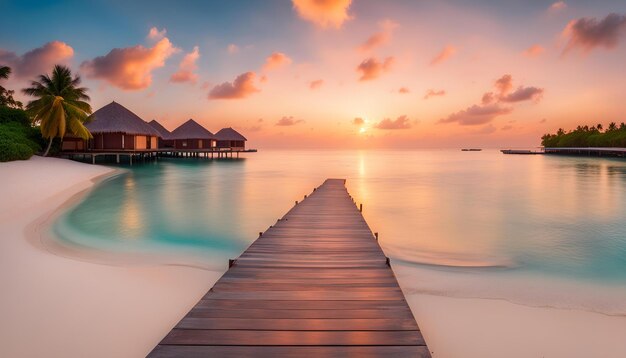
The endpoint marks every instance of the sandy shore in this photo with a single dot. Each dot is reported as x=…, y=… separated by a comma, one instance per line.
x=61, y=307
x=479, y=327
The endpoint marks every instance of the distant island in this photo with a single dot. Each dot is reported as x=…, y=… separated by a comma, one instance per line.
x=585, y=136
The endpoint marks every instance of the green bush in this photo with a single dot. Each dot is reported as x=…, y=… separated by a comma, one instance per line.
x=12, y=115
x=16, y=142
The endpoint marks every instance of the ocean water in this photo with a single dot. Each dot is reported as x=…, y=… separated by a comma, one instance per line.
x=539, y=230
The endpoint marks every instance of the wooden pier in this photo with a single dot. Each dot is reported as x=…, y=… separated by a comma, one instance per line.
x=314, y=284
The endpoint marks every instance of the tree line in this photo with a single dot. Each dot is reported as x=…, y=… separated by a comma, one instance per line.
x=59, y=107
x=613, y=135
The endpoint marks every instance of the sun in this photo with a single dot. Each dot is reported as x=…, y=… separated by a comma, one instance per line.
x=362, y=130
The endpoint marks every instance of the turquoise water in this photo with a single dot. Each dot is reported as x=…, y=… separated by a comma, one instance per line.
x=478, y=212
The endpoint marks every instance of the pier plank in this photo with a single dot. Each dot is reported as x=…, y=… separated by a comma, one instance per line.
x=315, y=283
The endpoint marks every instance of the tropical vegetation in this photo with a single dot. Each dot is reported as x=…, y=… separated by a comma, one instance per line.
x=584, y=136
x=18, y=139
x=60, y=106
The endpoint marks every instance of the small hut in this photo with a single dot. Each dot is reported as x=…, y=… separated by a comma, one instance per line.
x=164, y=139
x=191, y=135
x=115, y=128
x=228, y=138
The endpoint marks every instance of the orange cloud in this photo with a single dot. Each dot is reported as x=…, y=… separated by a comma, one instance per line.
x=401, y=122
x=276, y=60
x=288, y=121
x=241, y=87
x=434, y=93
x=156, y=34
x=187, y=67
x=130, y=68
x=589, y=33
x=358, y=121
x=316, y=84
x=534, y=51
x=39, y=60
x=477, y=115
x=404, y=90
x=323, y=13
x=445, y=54
x=557, y=6
x=372, y=68
x=379, y=38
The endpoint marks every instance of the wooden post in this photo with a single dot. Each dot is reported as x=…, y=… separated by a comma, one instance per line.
x=296, y=202
x=260, y=233
x=231, y=263
x=117, y=159
x=361, y=207
x=387, y=262
x=93, y=159
x=376, y=234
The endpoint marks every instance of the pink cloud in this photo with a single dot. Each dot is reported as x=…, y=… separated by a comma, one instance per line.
x=316, y=84
x=288, y=121
x=404, y=90
x=380, y=38
x=588, y=33
x=401, y=122
x=504, y=84
x=557, y=6
x=506, y=127
x=477, y=115
x=434, y=93
x=323, y=13
x=39, y=60
x=187, y=67
x=523, y=94
x=372, y=68
x=534, y=51
x=276, y=60
x=444, y=55
x=130, y=68
x=241, y=87
x=156, y=34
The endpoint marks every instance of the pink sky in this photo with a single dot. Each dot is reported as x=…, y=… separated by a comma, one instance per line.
x=426, y=75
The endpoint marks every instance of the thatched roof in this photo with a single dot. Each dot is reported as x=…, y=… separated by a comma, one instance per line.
x=229, y=134
x=191, y=130
x=115, y=118
x=165, y=134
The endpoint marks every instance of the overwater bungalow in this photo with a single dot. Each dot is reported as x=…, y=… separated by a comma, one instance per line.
x=115, y=128
x=230, y=138
x=164, y=139
x=191, y=135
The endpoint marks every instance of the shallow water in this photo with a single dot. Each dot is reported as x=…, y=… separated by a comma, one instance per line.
x=481, y=214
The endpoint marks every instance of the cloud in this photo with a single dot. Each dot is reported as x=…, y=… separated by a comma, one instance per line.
x=488, y=129
x=130, y=68
x=379, y=38
x=288, y=121
x=316, y=84
x=241, y=87
x=401, y=122
x=232, y=49
x=557, y=6
x=445, y=54
x=323, y=13
x=371, y=68
x=588, y=33
x=507, y=127
x=276, y=60
x=156, y=35
x=39, y=60
x=358, y=121
x=534, y=51
x=477, y=115
x=187, y=67
x=434, y=93
x=504, y=84
x=404, y=90
x=523, y=94
x=488, y=98
x=543, y=120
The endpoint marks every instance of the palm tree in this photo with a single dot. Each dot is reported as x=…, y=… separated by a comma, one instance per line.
x=60, y=106
x=6, y=96
x=612, y=126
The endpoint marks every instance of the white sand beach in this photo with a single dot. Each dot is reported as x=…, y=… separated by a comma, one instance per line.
x=63, y=307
